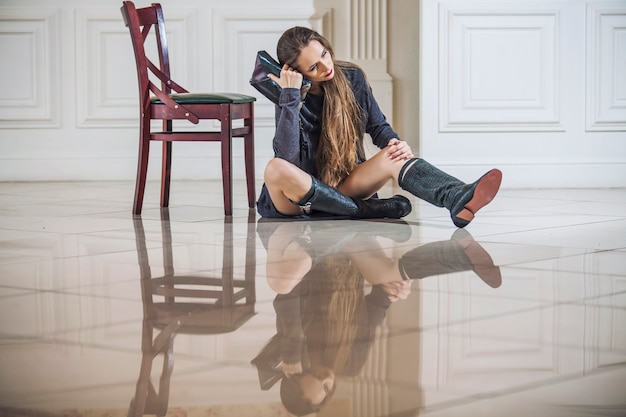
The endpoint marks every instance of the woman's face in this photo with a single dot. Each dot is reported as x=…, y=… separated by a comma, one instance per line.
x=315, y=63
x=316, y=385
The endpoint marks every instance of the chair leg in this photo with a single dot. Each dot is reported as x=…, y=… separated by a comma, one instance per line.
x=250, y=271
x=166, y=172
x=138, y=403
x=249, y=158
x=142, y=171
x=228, y=285
x=227, y=150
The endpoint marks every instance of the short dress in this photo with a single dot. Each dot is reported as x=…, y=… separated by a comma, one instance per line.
x=298, y=127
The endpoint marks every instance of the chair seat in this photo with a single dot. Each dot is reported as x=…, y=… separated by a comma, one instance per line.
x=201, y=318
x=207, y=98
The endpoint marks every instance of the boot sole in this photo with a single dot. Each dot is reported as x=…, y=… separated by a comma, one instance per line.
x=484, y=192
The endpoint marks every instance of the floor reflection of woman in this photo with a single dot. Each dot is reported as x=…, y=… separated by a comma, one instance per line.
x=325, y=320
x=326, y=317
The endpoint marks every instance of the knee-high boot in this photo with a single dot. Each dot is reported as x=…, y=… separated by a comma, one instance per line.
x=461, y=253
x=322, y=197
x=431, y=184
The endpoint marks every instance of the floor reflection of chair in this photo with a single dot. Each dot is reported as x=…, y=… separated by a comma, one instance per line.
x=191, y=304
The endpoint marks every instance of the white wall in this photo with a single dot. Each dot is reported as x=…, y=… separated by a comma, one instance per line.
x=535, y=88
x=404, y=68
x=68, y=94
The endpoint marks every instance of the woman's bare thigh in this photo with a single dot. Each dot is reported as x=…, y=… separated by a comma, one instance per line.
x=370, y=176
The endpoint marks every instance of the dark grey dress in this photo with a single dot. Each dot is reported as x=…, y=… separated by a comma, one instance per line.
x=298, y=130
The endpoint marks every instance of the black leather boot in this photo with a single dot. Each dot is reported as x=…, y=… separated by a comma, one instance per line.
x=431, y=184
x=322, y=197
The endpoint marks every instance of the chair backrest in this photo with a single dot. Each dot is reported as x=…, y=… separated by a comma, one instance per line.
x=141, y=22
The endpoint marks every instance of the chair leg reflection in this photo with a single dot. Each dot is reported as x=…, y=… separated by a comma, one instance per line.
x=186, y=303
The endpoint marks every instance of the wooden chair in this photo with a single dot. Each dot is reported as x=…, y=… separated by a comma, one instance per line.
x=186, y=304
x=156, y=102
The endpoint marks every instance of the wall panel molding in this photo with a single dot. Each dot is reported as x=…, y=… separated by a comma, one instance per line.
x=369, y=29
x=499, y=68
x=106, y=80
x=30, y=83
x=237, y=37
x=606, y=66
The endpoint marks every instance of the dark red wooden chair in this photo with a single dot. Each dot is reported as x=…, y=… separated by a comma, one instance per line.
x=157, y=102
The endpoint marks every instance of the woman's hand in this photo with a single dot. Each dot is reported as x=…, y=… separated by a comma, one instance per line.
x=290, y=369
x=399, y=150
x=289, y=78
x=397, y=290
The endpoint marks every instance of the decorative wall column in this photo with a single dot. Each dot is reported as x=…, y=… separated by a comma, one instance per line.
x=368, y=47
x=369, y=30
x=358, y=31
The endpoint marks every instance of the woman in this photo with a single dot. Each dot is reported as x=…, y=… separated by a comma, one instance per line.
x=326, y=319
x=319, y=162
x=326, y=314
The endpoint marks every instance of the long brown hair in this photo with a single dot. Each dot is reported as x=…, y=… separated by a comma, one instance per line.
x=344, y=298
x=341, y=300
x=341, y=138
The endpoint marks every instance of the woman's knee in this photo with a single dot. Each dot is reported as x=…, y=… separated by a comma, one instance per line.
x=281, y=172
x=277, y=168
x=286, y=183
x=388, y=166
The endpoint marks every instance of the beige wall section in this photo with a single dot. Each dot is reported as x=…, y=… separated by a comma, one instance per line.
x=68, y=106
x=359, y=32
x=393, y=68
x=403, y=67
x=84, y=120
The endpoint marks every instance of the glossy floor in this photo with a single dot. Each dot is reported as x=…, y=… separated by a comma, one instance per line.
x=522, y=313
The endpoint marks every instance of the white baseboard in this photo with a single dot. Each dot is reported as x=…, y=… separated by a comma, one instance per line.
x=583, y=175
x=545, y=175
x=116, y=169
